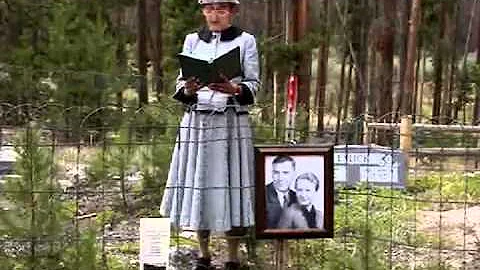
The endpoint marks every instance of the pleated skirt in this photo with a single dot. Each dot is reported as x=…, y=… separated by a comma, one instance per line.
x=210, y=184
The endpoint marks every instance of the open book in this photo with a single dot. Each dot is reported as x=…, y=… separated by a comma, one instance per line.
x=207, y=72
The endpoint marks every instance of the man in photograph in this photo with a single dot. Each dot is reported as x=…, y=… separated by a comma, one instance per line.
x=278, y=193
x=302, y=213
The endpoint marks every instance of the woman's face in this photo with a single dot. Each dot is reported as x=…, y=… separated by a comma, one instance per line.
x=305, y=191
x=218, y=16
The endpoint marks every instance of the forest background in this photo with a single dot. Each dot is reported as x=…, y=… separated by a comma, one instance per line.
x=85, y=101
x=352, y=57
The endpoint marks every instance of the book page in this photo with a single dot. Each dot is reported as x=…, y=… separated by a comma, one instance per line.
x=210, y=100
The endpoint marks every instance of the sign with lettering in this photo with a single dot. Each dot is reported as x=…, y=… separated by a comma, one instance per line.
x=375, y=165
x=7, y=160
x=154, y=243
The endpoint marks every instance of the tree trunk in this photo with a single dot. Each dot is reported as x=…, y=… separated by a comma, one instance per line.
x=386, y=71
x=266, y=67
x=476, y=110
x=405, y=10
x=14, y=28
x=438, y=68
x=422, y=84
x=451, y=90
x=448, y=105
x=360, y=55
x=416, y=95
x=286, y=20
x=277, y=18
x=373, y=65
x=157, y=45
x=349, y=88
x=373, y=88
x=142, y=52
x=341, y=92
x=409, y=79
x=120, y=53
x=462, y=94
x=305, y=59
x=386, y=47
x=323, y=68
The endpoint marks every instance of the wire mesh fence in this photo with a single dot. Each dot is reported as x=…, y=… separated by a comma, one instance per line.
x=81, y=163
x=72, y=196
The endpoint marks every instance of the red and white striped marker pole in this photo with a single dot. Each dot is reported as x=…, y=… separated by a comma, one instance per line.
x=292, y=93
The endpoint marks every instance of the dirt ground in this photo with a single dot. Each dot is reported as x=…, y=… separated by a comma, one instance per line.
x=454, y=236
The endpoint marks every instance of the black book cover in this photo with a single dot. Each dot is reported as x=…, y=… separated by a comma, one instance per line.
x=207, y=72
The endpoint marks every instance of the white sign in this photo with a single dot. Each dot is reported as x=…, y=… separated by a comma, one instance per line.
x=379, y=174
x=8, y=154
x=379, y=159
x=154, y=242
x=373, y=164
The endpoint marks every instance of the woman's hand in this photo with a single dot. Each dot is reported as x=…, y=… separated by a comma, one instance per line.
x=225, y=87
x=192, y=85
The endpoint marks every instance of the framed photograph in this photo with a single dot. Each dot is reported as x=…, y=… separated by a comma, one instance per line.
x=294, y=191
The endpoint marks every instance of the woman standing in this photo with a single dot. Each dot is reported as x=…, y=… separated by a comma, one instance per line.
x=210, y=186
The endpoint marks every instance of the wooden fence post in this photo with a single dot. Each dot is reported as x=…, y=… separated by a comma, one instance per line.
x=478, y=146
x=281, y=254
x=366, y=131
x=406, y=130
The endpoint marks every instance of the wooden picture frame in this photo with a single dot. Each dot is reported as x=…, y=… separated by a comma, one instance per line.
x=289, y=211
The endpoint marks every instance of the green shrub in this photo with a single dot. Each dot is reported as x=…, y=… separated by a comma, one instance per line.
x=369, y=224
x=451, y=187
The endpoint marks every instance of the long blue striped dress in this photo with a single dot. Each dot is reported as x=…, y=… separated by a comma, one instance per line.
x=211, y=183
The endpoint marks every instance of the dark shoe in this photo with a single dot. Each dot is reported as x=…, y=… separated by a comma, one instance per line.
x=203, y=264
x=232, y=266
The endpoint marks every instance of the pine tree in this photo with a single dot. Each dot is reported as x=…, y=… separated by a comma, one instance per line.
x=37, y=217
x=39, y=220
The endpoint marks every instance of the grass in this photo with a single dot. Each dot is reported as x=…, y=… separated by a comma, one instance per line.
x=456, y=188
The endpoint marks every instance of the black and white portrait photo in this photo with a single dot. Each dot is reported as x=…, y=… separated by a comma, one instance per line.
x=294, y=190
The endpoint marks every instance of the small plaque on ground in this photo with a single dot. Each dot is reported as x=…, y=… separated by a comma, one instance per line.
x=154, y=243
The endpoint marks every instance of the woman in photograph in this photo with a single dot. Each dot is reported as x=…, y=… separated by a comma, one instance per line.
x=303, y=213
x=210, y=187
